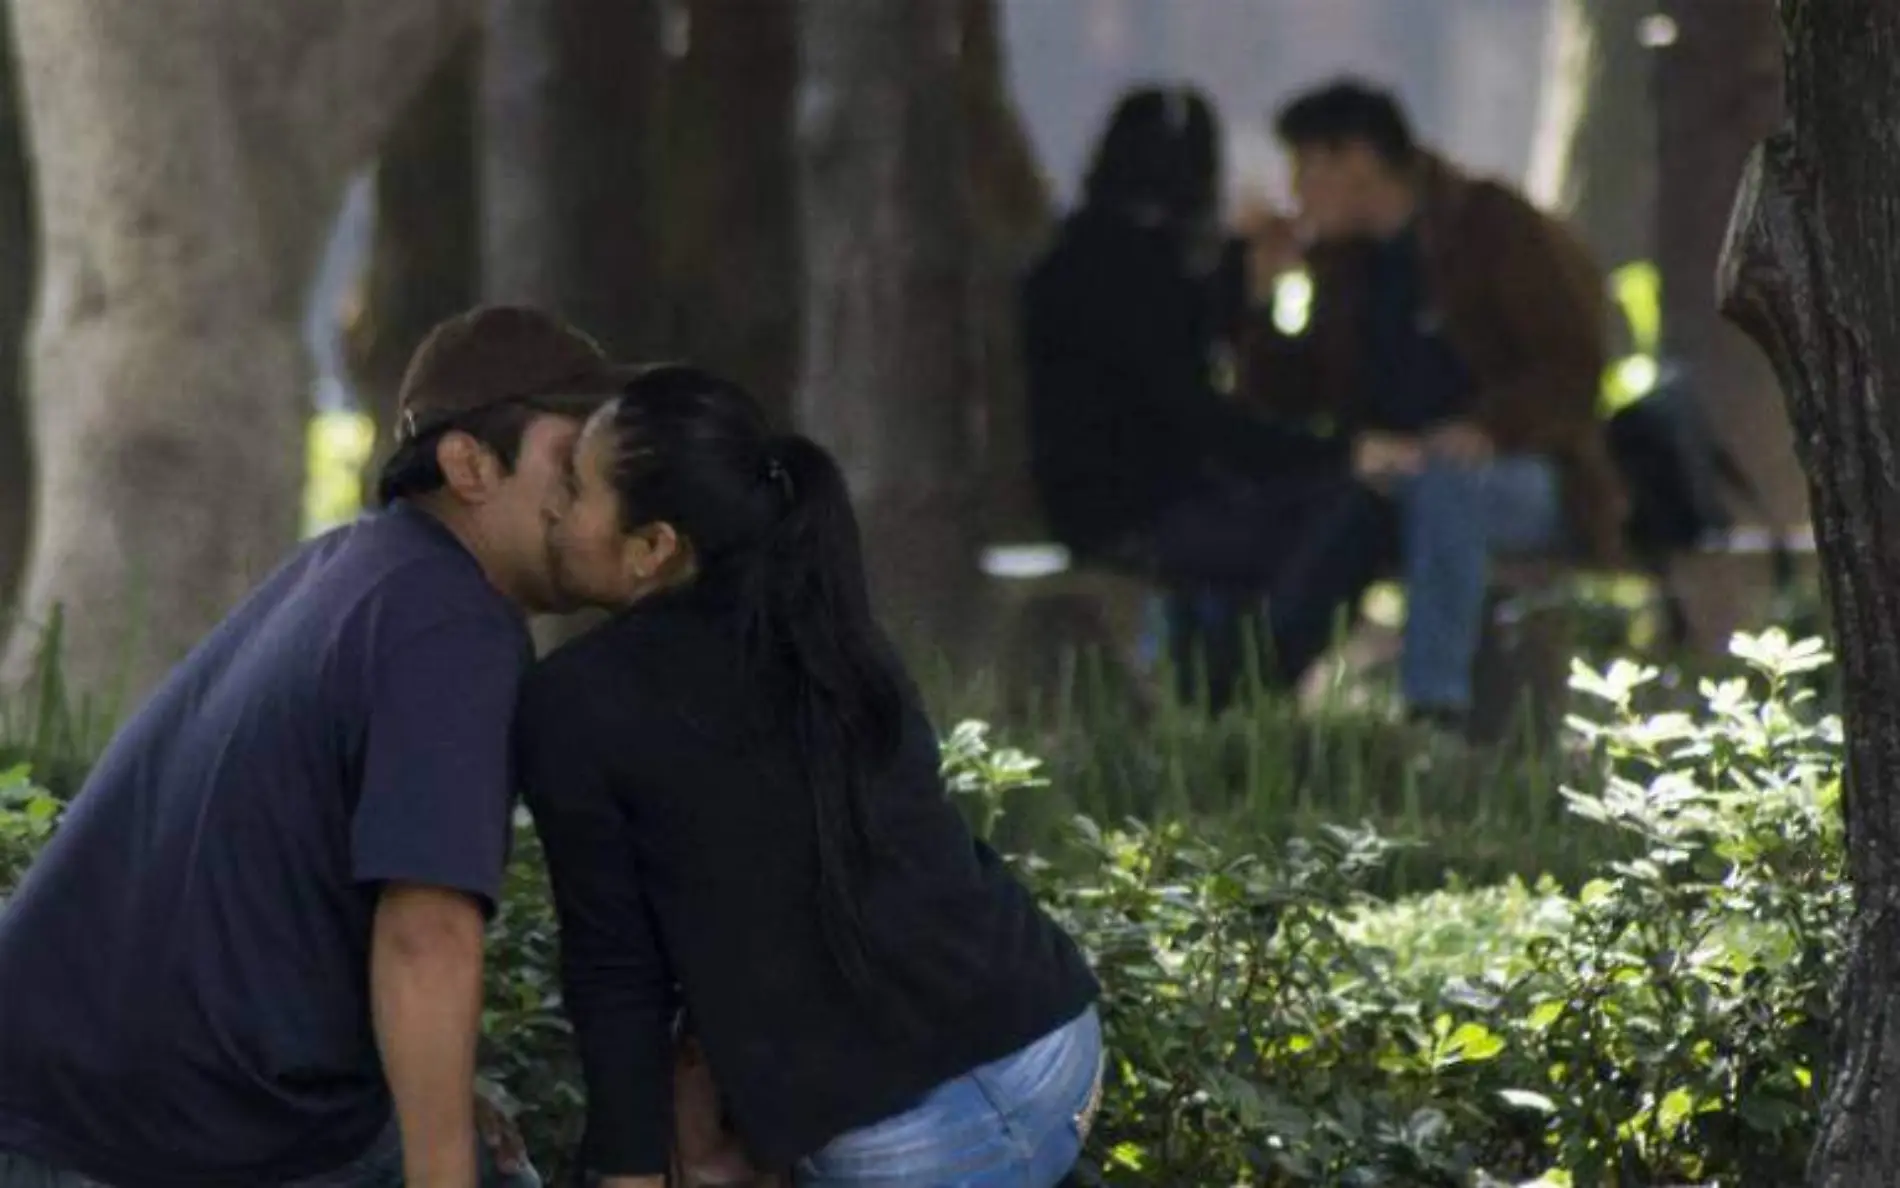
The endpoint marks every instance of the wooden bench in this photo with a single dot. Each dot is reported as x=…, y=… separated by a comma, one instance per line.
x=1047, y=613
x=1050, y=611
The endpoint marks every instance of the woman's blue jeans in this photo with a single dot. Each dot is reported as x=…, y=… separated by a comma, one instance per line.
x=1017, y=1123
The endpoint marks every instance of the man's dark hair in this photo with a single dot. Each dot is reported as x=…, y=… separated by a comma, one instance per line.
x=413, y=469
x=1348, y=112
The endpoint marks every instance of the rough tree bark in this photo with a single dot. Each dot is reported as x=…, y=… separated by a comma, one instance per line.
x=730, y=252
x=16, y=299
x=888, y=283
x=1807, y=271
x=571, y=104
x=424, y=262
x=188, y=160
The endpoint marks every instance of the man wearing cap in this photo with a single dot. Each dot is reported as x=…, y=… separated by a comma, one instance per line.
x=252, y=956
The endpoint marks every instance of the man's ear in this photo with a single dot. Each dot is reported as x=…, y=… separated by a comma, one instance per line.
x=469, y=468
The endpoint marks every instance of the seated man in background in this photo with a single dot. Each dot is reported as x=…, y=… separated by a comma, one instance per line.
x=1456, y=337
x=1141, y=459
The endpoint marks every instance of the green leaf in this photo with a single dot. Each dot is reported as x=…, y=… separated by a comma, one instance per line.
x=1129, y=1155
x=1524, y=1099
x=1674, y=1109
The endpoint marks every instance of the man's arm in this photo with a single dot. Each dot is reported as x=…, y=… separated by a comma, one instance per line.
x=426, y=997
x=429, y=833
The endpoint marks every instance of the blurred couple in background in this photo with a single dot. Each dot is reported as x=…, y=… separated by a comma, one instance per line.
x=1426, y=404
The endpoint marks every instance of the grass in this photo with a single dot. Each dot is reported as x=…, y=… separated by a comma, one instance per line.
x=55, y=731
x=1262, y=771
x=1268, y=768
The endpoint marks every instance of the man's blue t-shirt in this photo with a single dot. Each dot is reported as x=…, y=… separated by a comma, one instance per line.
x=184, y=974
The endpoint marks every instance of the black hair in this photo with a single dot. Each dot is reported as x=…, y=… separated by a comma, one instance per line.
x=1347, y=112
x=412, y=470
x=1161, y=149
x=770, y=523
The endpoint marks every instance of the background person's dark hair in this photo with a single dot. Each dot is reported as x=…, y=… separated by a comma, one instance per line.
x=412, y=471
x=1345, y=112
x=770, y=523
x=1161, y=150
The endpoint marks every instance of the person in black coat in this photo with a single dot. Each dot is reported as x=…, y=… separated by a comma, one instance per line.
x=741, y=801
x=1131, y=325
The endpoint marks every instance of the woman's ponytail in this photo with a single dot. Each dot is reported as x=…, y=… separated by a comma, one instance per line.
x=770, y=522
x=847, y=702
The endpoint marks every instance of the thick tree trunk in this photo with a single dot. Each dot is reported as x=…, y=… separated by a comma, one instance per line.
x=1807, y=271
x=188, y=160
x=888, y=281
x=730, y=251
x=16, y=299
x=571, y=104
x=424, y=262
x=1010, y=218
x=571, y=107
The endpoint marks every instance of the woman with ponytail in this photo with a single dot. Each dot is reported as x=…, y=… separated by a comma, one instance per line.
x=739, y=796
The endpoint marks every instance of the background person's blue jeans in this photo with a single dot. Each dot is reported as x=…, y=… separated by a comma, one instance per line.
x=1017, y=1123
x=1453, y=521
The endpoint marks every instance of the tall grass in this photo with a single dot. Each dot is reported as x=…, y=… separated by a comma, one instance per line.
x=52, y=728
x=1268, y=768
x=1263, y=769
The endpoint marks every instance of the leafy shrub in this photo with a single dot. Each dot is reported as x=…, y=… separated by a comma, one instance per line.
x=1681, y=1021
x=1253, y=1040
x=1272, y=1022
x=27, y=817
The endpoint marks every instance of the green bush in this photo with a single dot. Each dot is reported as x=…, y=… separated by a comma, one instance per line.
x=1273, y=1022
x=27, y=817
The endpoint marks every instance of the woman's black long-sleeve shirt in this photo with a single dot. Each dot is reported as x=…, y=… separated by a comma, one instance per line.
x=680, y=839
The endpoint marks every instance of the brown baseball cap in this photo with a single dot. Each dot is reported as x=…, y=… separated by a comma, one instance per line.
x=504, y=354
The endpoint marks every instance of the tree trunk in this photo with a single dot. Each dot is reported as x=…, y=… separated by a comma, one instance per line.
x=1594, y=158
x=571, y=105
x=888, y=282
x=424, y=262
x=1807, y=272
x=16, y=298
x=571, y=109
x=1718, y=93
x=730, y=251
x=1010, y=218
x=188, y=161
